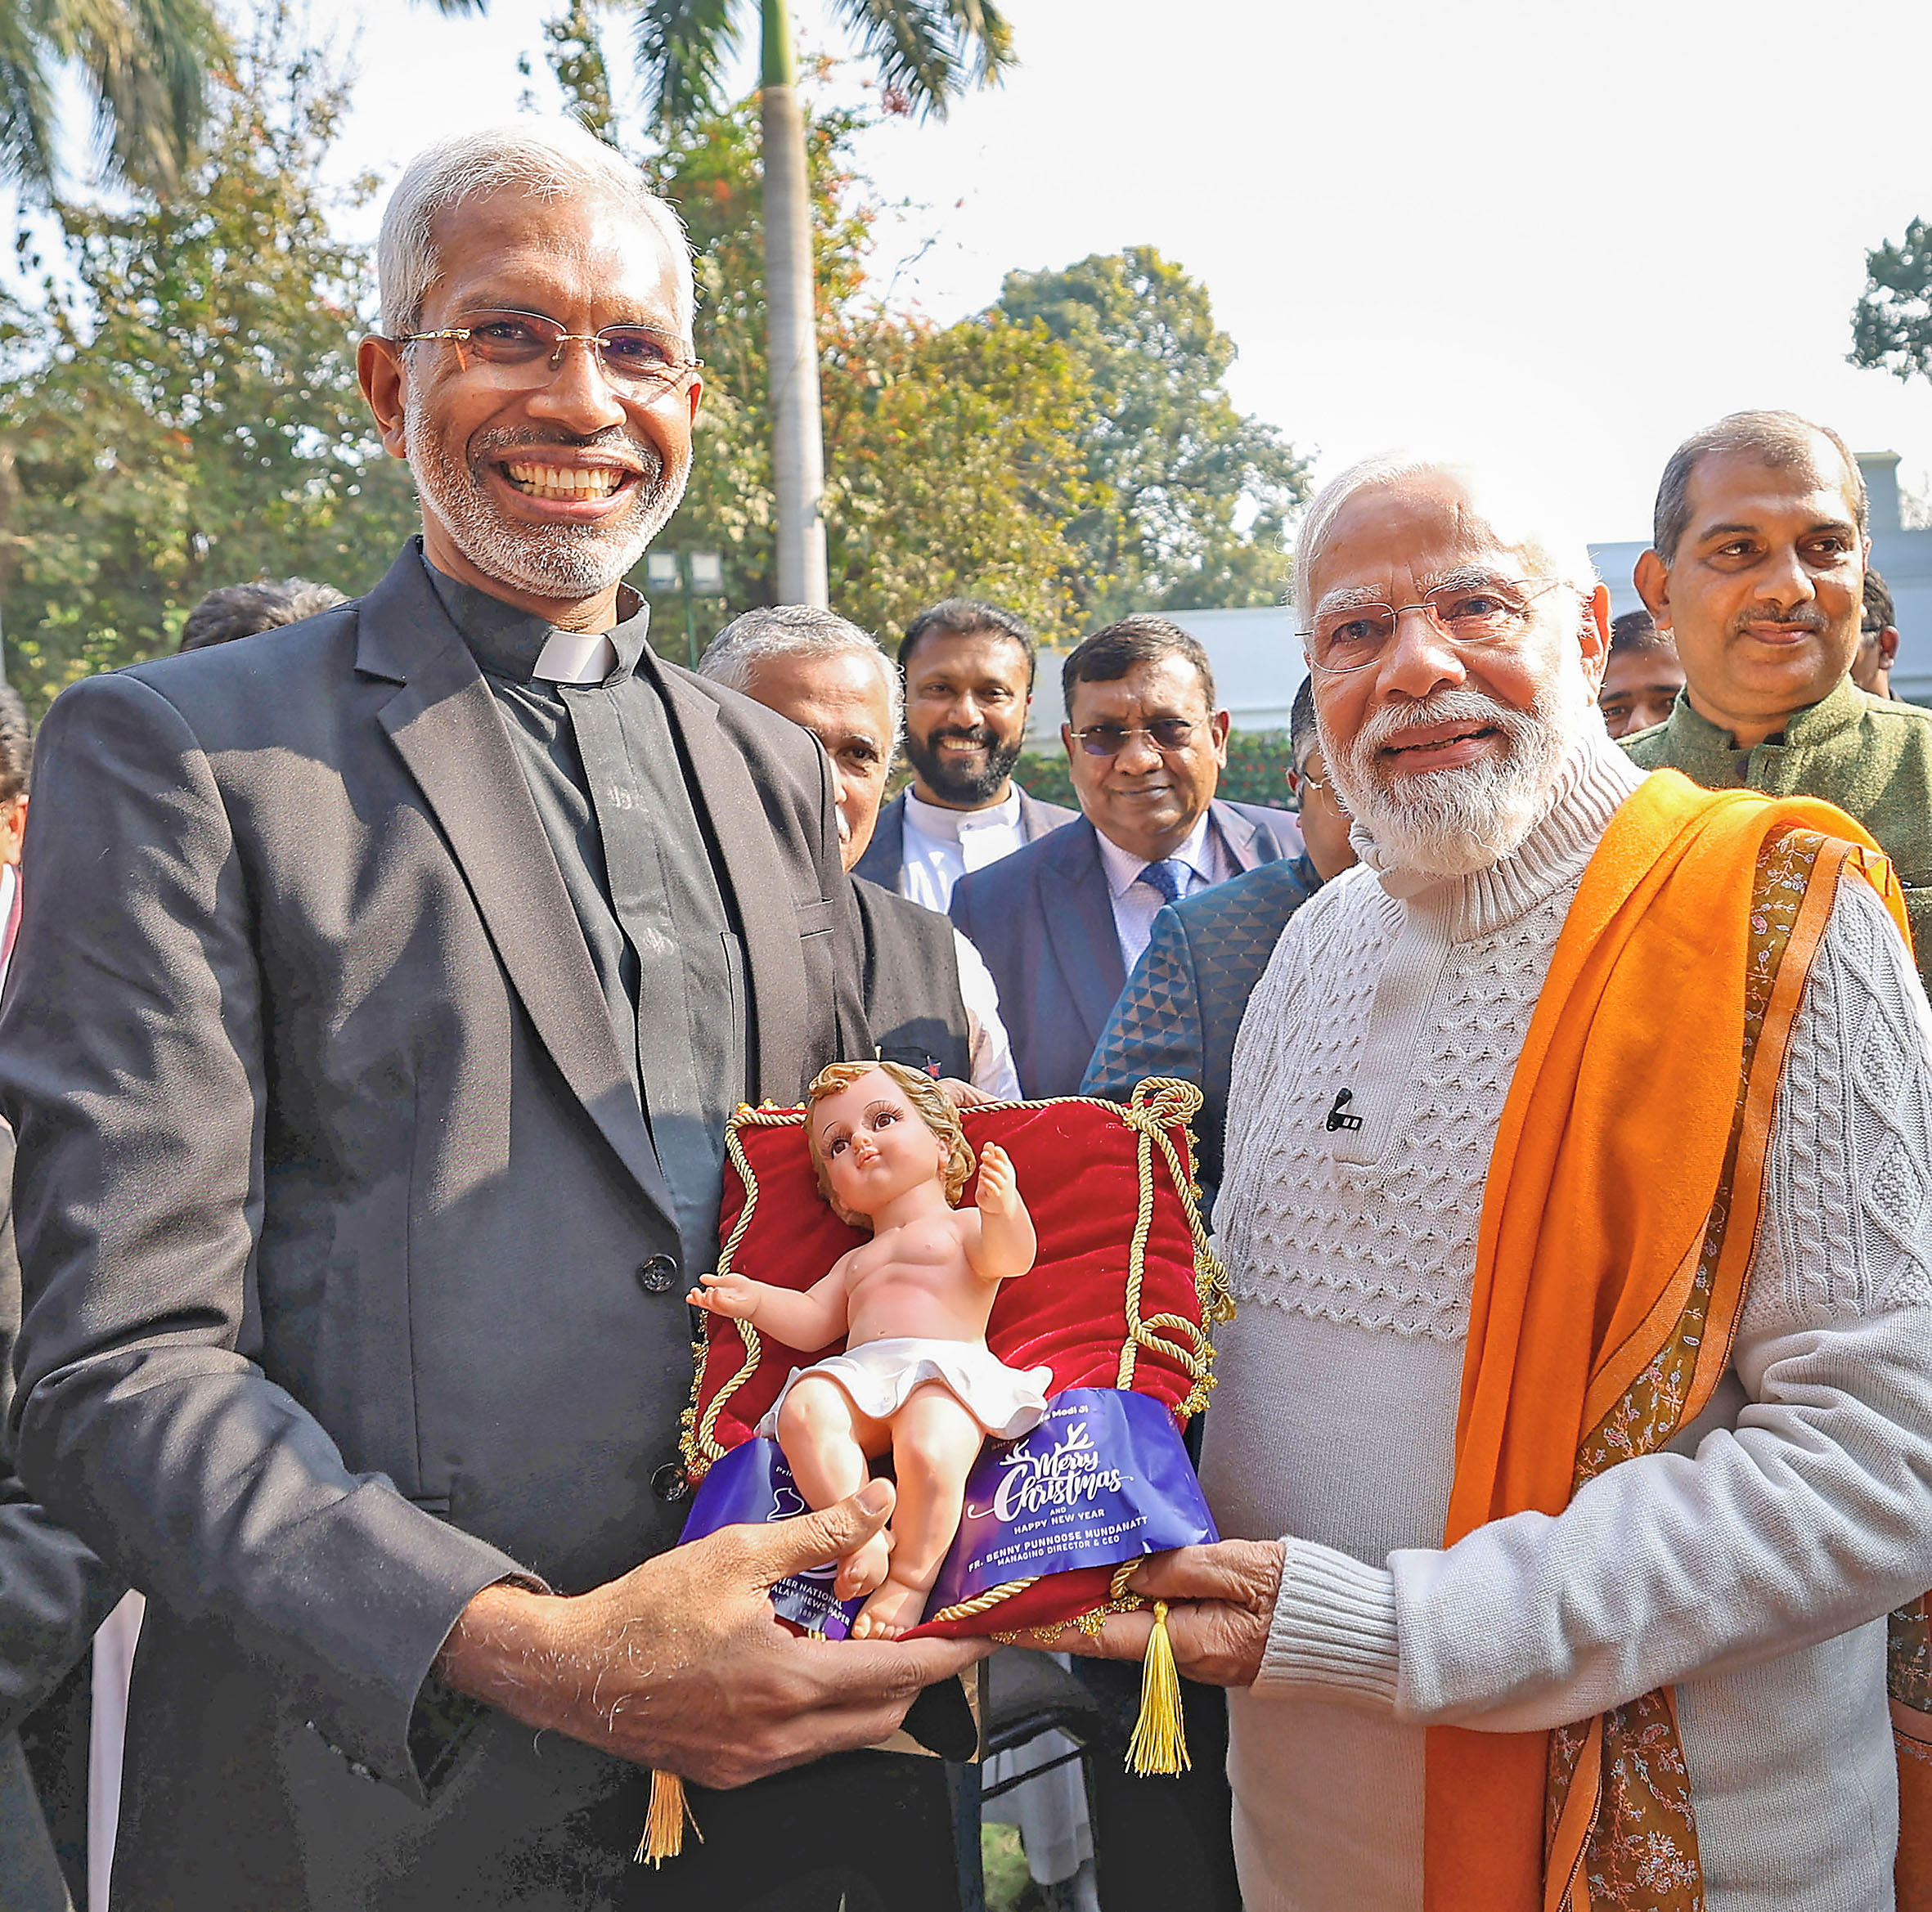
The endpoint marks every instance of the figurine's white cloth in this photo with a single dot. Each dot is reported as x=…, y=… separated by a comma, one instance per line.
x=1007, y=1401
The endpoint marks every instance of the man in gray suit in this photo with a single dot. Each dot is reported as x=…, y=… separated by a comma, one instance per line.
x=968, y=668
x=1062, y=922
x=384, y=985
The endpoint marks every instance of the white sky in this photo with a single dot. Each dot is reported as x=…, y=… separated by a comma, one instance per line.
x=1560, y=237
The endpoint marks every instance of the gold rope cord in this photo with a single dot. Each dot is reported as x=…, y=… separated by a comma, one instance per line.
x=1160, y=1104
x=993, y=1596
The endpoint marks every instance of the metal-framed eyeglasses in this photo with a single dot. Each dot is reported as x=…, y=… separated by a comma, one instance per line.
x=633, y=358
x=1471, y=613
x=1110, y=740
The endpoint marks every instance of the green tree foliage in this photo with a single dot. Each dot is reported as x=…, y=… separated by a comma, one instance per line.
x=1892, y=324
x=926, y=52
x=178, y=409
x=143, y=62
x=1189, y=497
x=710, y=170
x=955, y=467
x=953, y=454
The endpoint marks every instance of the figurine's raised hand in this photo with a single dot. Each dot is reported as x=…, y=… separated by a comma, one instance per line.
x=735, y=1295
x=1006, y=1245
x=998, y=1192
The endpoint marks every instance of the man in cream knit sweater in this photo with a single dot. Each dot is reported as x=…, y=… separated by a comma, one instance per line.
x=1748, y=1563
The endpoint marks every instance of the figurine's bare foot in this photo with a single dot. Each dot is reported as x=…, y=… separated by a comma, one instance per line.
x=894, y=1610
x=863, y=1569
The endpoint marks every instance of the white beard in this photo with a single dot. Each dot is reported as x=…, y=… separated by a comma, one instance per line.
x=1452, y=823
x=548, y=561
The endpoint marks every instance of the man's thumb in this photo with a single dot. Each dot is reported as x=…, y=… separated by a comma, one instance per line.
x=812, y=1540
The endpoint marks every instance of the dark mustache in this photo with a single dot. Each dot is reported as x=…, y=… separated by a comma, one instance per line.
x=1805, y=617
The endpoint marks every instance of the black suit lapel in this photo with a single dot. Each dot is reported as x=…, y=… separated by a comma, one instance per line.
x=756, y=875
x=444, y=724
x=1080, y=925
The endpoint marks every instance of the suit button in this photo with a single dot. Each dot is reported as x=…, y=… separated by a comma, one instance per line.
x=668, y=1483
x=657, y=1275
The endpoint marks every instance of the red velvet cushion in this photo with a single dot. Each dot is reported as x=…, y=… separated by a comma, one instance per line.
x=1078, y=1166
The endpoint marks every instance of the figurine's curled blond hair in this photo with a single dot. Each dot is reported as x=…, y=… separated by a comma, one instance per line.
x=925, y=1095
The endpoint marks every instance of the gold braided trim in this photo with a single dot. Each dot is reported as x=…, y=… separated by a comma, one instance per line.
x=966, y=1609
x=699, y=1441
x=1090, y=1622
x=1160, y=1104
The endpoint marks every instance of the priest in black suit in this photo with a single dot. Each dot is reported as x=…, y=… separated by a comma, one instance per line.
x=384, y=986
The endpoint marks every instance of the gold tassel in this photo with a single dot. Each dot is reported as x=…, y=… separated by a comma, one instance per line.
x=664, y=1823
x=1160, y=1741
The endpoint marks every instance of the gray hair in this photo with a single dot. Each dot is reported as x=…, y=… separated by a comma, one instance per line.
x=549, y=158
x=795, y=630
x=1565, y=549
x=1780, y=439
x=244, y=610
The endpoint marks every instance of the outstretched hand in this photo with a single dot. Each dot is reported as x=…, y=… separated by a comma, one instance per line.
x=733, y=1295
x=1221, y=1600
x=682, y=1665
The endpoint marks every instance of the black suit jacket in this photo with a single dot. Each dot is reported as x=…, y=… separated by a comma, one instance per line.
x=913, y=1004
x=1043, y=919
x=885, y=854
x=350, y=1273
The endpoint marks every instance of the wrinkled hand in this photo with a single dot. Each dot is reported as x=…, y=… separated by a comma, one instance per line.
x=963, y=1095
x=1221, y=1598
x=999, y=1191
x=733, y=1295
x=681, y=1664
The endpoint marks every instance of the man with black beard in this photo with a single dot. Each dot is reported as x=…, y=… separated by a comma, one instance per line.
x=383, y=987
x=969, y=672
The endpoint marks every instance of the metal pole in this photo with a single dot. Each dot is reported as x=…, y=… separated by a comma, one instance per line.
x=690, y=632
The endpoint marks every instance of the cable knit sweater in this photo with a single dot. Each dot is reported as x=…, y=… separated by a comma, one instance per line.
x=1751, y=1565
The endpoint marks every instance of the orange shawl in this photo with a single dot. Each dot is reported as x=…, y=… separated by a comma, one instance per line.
x=1618, y=1219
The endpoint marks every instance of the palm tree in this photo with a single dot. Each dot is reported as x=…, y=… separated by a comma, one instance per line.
x=928, y=52
x=145, y=61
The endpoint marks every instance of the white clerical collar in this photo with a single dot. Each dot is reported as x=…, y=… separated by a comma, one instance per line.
x=1123, y=867
x=576, y=657
x=943, y=826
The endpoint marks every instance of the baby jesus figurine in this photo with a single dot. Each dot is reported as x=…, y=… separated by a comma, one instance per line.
x=916, y=1379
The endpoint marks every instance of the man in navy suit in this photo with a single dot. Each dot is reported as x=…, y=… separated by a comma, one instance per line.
x=1061, y=922
x=1182, y=1008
